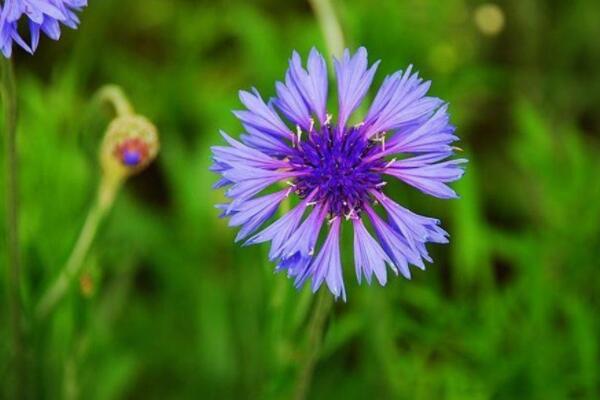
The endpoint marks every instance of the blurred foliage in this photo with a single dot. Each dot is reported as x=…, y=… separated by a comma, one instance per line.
x=171, y=308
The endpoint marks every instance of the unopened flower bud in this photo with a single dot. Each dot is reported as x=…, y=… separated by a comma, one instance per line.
x=130, y=145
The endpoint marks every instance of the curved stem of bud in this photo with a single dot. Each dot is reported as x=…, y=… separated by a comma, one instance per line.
x=114, y=95
x=107, y=191
x=126, y=128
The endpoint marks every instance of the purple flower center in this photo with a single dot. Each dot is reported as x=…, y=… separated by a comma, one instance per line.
x=333, y=165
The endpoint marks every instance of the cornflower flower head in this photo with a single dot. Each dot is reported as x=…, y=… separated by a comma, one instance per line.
x=39, y=16
x=293, y=148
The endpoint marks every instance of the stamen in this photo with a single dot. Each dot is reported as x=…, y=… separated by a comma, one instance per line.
x=390, y=163
x=350, y=214
x=328, y=119
x=380, y=137
x=381, y=184
x=298, y=132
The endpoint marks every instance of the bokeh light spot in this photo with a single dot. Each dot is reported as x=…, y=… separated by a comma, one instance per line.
x=489, y=19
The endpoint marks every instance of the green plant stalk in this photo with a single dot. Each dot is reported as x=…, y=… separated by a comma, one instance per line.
x=314, y=341
x=9, y=98
x=107, y=192
x=330, y=26
x=113, y=94
x=279, y=298
x=108, y=188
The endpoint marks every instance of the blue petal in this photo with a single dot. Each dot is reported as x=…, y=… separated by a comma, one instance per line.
x=280, y=231
x=221, y=183
x=253, y=213
x=51, y=28
x=369, y=257
x=36, y=11
x=291, y=103
x=8, y=29
x=39, y=15
x=429, y=178
x=434, y=134
x=261, y=117
x=301, y=244
x=401, y=99
x=249, y=181
x=327, y=266
x=312, y=82
x=265, y=142
x=394, y=245
x=353, y=82
x=238, y=152
x=416, y=229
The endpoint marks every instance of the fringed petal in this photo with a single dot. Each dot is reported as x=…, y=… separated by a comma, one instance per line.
x=369, y=257
x=255, y=212
x=427, y=177
x=261, y=117
x=327, y=265
x=400, y=100
x=353, y=82
x=312, y=82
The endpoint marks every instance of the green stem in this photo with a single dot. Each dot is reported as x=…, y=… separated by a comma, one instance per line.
x=113, y=94
x=279, y=297
x=106, y=195
x=107, y=191
x=315, y=335
x=330, y=26
x=9, y=98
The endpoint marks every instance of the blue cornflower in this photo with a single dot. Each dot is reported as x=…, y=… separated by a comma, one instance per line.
x=38, y=15
x=337, y=170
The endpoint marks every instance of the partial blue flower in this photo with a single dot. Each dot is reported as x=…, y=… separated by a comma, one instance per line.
x=334, y=172
x=38, y=16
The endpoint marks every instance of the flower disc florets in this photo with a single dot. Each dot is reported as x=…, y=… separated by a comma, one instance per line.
x=336, y=171
x=333, y=165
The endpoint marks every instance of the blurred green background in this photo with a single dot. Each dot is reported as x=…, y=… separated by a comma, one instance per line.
x=169, y=308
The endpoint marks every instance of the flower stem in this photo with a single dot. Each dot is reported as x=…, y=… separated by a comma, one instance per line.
x=107, y=191
x=314, y=339
x=113, y=94
x=330, y=26
x=9, y=98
